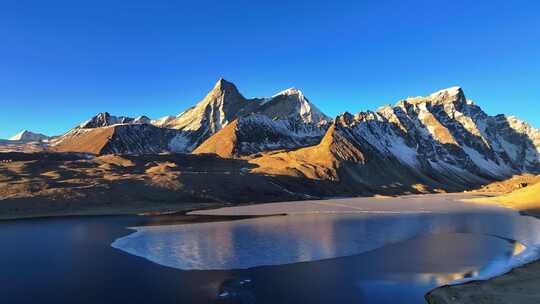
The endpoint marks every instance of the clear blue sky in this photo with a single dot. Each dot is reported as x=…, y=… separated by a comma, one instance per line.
x=63, y=61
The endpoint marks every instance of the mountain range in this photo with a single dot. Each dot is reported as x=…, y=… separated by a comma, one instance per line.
x=438, y=142
x=287, y=119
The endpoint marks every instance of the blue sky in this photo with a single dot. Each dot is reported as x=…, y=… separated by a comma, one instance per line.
x=64, y=61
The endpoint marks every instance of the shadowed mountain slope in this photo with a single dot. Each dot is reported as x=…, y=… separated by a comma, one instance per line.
x=118, y=139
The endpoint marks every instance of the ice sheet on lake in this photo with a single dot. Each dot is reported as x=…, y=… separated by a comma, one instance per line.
x=311, y=237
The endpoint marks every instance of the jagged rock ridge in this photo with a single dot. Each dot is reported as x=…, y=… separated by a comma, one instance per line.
x=442, y=141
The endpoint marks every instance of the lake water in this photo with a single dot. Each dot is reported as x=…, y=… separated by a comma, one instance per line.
x=310, y=258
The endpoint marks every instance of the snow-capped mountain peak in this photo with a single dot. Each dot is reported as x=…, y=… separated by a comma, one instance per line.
x=452, y=91
x=448, y=96
x=104, y=119
x=142, y=120
x=224, y=85
x=290, y=91
x=219, y=107
x=160, y=122
x=28, y=136
x=292, y=103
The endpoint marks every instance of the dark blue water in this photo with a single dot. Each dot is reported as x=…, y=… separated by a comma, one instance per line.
x=70, y=260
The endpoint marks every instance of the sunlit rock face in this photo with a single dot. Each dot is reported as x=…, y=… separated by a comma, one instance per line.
x=484, y=241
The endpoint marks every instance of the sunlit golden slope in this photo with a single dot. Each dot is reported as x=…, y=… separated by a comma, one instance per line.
x=527, y=198
x=223, y=143
x=317, y=162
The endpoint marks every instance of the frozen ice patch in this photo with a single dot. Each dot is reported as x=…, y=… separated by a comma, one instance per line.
x=301, y=238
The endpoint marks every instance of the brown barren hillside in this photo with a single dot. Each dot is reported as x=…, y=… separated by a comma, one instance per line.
x=46, y=184
x=87, y=141
x=116, y=139
x=514, y=183
x=321, y=161
x=223, y=143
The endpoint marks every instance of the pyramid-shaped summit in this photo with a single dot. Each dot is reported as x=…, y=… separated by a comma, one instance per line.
x=219, y=107
x=286, y=120
x=224, y=103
